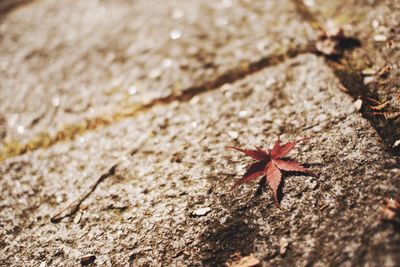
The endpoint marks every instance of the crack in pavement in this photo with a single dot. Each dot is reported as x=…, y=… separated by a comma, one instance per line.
x=44, y=140
x=9, y=5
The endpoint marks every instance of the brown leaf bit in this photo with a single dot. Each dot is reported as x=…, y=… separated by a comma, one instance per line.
x=329, y=42
x=391, y=115
x=87, y=259
x=384, y=71
x=390, y=210
x=397, y=99
x=248, y=261
x=343, y=88
x=270, y=163
x=376, y=102
x=380, y=106
x=388, y=115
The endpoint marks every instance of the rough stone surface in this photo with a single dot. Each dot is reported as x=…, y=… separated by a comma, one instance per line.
x=144, y=211
x=65, y=62
x=160, y=178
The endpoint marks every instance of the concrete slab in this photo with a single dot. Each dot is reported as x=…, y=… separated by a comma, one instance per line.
x=64, y=62
x=172, y=161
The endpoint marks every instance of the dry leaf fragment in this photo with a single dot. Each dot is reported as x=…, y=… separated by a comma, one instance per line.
x=329, y=42
x=390, y=210
x=376, y=102
x=87, y=259
x=393, y=204
x=384, y=71
x=343, y=88
x=328, y=47
x=270, y=163
x=380, y=106
x=391, y=115
x=248, y=261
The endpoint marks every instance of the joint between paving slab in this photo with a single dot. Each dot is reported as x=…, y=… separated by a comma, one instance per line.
x=10, y=5
x=352, y=80
x=70, y=132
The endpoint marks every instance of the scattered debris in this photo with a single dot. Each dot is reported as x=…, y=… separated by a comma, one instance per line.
x=283, y=246
x=78, y=217
x=388, y=115
x=376, y=102
x=270, y=164
x=87, y=259
x=390, y=210
x=329, y=42
x=73, y=208
x=358, y=104
x=201, y=211
x=343, y=88
x=248, y=261
x=180, y=253
x=383, y=109
x=397, y=143
x=75, y=205
x=380, y=38
x=368, y=72
x=380, y=106
x=375, y=23
x=233, y=134
x=368, y=80
x=384, y=71
x=391, y=115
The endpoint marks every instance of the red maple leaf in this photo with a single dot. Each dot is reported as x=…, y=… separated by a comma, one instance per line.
x=270, y=164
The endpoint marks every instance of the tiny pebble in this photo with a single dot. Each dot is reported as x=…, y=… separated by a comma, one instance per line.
x=242, y=113
x=175, y=34
x=202, y=211
x=78, y=217
x=55, y=101
x=368, y=72
x=155, y=73
x=375, y=23
x=233, y=134
x=368, y=79
x=283, y=246
x=397, y=143
x=380, y=38
x=358, y=104
x=20, y=129
x=132, y=90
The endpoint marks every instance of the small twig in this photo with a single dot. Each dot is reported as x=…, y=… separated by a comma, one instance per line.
x=73, y=208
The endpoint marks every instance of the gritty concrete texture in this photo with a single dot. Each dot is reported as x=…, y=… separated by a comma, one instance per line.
x=62, y=63
x=151, y=188
x=374, y=65
x=144, y=212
